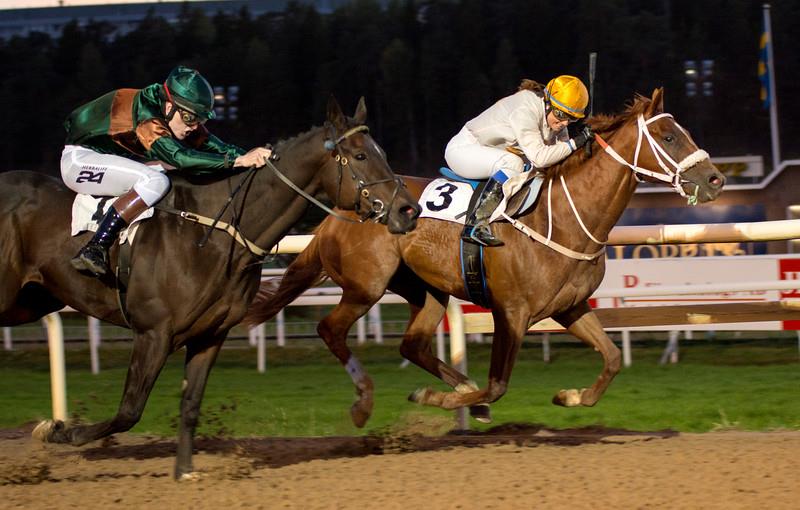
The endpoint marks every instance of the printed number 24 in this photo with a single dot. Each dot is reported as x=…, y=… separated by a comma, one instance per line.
x=89, y=176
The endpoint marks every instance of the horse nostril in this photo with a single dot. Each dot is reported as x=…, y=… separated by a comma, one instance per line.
x=715, y=181
x=409, y=211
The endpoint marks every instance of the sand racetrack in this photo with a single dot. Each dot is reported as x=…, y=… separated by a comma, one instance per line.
x=514, y=466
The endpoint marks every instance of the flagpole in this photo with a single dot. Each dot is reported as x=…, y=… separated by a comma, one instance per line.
x=773, y=98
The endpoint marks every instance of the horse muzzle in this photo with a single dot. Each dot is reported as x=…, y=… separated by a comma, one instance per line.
x=704, y=182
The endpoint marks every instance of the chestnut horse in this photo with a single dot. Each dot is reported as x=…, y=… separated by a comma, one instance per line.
x=527, y=281
x=184, y=292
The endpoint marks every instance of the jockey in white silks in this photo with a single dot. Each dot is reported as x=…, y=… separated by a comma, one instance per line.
x=532, y=122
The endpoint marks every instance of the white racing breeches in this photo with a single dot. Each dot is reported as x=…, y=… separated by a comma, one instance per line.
x=92, y=173
x=468, y=158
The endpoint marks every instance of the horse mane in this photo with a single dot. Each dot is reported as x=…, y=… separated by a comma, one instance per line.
x=296, y=138
x=603, y=123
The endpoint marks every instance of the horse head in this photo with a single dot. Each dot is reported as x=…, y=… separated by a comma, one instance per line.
x=377, y=193
x=664, y=151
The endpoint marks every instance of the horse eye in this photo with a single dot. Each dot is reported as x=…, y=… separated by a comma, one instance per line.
x=669, y=138
x=361, y=156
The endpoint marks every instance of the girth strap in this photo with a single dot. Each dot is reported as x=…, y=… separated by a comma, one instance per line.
x=472, y=271
x=123, y=279
x=219, y=225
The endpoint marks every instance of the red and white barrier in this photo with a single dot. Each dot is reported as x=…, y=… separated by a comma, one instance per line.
x=671, y=282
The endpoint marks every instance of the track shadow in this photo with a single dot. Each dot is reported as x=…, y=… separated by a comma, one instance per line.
x=278, y=452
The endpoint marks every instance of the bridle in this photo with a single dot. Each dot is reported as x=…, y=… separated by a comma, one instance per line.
x=378, y=211
x=672, y=172
x=672, y=175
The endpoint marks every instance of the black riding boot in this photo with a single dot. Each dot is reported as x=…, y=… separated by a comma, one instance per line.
x=93, y=257
x=480, y=232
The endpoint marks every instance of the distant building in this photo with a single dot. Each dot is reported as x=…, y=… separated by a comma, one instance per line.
x=126, y=17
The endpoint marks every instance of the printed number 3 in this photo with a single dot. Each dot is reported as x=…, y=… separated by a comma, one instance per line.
x=89, y=176
x=446, y=194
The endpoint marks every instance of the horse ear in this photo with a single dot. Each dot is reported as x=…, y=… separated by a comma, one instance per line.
x=656, y=102
x=335, y=115
x=361, y=112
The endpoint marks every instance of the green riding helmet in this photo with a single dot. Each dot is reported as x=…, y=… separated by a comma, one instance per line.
x=189, y=90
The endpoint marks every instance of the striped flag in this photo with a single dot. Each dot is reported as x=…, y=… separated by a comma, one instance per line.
x=763, y=67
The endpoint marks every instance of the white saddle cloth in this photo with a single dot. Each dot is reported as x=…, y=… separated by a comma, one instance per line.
x=449, y=200
x=86, y=216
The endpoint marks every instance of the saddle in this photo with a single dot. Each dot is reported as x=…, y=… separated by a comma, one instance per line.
x=525, y=194
x=88, y=210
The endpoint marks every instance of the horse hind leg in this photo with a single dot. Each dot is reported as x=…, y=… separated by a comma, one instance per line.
x=416, y=347
x=582, y=322
x=509, y=328
x=150, y=351
x=333, y=330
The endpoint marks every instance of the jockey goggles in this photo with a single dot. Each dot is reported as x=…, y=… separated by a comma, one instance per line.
x=562, y=116
x=190, y=118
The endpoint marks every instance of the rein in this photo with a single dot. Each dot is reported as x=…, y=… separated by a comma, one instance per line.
x=671, y=176
x=232, y=229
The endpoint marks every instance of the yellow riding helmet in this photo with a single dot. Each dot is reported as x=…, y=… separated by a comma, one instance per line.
x=568, y=94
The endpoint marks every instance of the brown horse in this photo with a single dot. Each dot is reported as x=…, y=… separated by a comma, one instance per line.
x=527, y=281
x=182, y=294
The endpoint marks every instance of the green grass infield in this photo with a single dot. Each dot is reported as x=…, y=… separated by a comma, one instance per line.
x=746, y=385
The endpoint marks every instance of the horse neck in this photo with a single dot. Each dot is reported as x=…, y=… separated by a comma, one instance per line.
x=600, y=188
x=272, y=208
x=266, y=207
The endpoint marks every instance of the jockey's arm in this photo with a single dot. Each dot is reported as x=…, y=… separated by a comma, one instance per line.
x=195, y=161
x=254, y=157
x=531, y=140
x=214, y=144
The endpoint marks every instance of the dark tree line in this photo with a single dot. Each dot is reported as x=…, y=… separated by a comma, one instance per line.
x=424, y=68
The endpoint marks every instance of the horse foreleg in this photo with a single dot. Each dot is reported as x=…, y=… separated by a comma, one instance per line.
x=582, y=322
x=200, y=357
x=416, y=347
x=333, y=330
x=150, y=351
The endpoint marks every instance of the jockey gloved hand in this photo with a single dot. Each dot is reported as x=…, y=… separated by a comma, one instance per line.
x=585, y=135
x=255, y=157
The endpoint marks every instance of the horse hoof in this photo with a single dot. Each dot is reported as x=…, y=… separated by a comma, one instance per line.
x=359, y=414
x=481, y=412
x=568, y=398
x=191, y=476
x=46, y=429
x=42, y=430
x=419, y=396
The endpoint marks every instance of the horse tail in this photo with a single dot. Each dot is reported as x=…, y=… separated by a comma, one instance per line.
x=275, y=293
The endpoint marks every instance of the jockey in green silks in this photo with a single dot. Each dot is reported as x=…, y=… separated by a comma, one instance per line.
x=110, y=139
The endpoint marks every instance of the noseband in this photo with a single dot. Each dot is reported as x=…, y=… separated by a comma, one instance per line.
x=378, y=211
